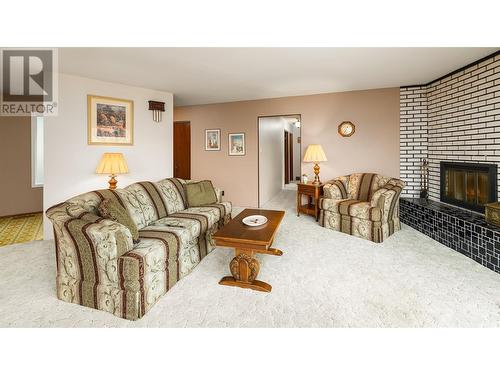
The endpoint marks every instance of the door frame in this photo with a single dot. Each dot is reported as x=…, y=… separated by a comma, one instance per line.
x=291, y=156
x=286, y=156
x=299, y=116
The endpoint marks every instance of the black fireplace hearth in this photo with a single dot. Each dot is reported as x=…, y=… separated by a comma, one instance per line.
x=461, y=230
x=468, y=185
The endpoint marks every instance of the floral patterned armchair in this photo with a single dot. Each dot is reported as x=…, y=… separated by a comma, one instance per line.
x=364, y=205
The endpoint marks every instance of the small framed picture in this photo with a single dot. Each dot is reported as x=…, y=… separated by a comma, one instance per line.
x=212, y=139
x=110, y=121
x=237, y=144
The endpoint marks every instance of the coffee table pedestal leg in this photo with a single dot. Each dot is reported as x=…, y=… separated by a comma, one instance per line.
x=245, y=268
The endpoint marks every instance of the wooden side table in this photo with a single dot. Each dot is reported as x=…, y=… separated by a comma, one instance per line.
x=313, y=193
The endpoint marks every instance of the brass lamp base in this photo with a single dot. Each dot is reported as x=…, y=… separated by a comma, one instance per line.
x=316, y=174
x=112, y=182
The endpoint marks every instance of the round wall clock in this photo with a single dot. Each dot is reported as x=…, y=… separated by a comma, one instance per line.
x=346, y=129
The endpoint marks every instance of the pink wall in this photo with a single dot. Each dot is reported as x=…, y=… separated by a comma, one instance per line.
x=17, y=196
x=373, y=148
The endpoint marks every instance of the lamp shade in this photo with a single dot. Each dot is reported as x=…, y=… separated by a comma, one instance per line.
x=112, y=163
x=315, y=154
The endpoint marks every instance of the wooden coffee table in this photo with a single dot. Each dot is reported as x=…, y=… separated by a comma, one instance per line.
x=248, y=241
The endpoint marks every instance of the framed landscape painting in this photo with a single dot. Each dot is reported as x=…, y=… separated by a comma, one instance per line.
x=212, y=140
x=110, y=121
x=237, y=144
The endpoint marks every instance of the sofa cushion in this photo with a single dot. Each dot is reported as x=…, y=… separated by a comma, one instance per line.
x=172, y=191
x=363, y=185
x=200, y=193
x=190, y=237
x=211, y=213
x=361, y=210
x=145, y=202
x=187, y=230
x=352, y=207
x=217, y=213
x=113, y=210
x=330, y=204
x=133, y=206
x=360, y=186
x=335, y=189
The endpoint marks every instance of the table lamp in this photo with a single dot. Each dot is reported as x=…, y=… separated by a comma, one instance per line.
x=315, y=154
x=112, y=164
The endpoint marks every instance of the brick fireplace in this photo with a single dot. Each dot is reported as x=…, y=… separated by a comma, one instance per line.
x=454, y=123
x=455, y=118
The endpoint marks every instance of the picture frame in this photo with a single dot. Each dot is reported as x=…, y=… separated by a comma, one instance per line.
x=110, y=121
x=236, y=144
x=212, y=140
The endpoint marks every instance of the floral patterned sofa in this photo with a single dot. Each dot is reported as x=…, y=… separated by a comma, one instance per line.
x=365, y=205
x=99, y=266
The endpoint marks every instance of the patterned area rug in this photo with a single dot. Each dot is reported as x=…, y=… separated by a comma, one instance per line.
x=21, y=228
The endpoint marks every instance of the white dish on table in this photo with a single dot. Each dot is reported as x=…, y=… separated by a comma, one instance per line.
x=254, y=220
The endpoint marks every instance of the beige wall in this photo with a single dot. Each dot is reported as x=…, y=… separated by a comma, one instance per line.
x=16, y=194
x=70, y=162
x=373, y=148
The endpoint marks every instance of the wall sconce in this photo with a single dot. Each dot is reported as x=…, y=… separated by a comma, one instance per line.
x=157, y=108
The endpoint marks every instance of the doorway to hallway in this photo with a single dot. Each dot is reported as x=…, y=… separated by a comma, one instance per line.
x=279, y=155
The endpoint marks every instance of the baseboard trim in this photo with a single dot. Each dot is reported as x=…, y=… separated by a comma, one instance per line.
x=22, y=215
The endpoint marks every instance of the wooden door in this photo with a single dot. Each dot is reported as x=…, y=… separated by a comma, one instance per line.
x=287, y=158
x=182, y=149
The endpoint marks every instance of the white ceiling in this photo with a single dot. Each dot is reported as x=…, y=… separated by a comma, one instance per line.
x=215, y=75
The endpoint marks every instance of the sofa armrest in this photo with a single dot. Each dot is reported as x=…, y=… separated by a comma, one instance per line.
x=218, y=192
x=387, y=197
x=88, y=237
x=334, y=189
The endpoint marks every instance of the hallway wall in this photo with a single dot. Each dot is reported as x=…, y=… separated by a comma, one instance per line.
x=271, y=157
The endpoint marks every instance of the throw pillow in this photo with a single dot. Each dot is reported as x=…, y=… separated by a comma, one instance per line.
x=112, y=210
x=200, y=193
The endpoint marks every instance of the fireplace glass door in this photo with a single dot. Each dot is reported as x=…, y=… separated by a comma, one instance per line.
x=468, y=185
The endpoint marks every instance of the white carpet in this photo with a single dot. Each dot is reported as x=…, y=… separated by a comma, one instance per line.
x=324, y=279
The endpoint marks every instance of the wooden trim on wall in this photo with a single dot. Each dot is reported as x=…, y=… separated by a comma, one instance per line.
x=21, y=215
